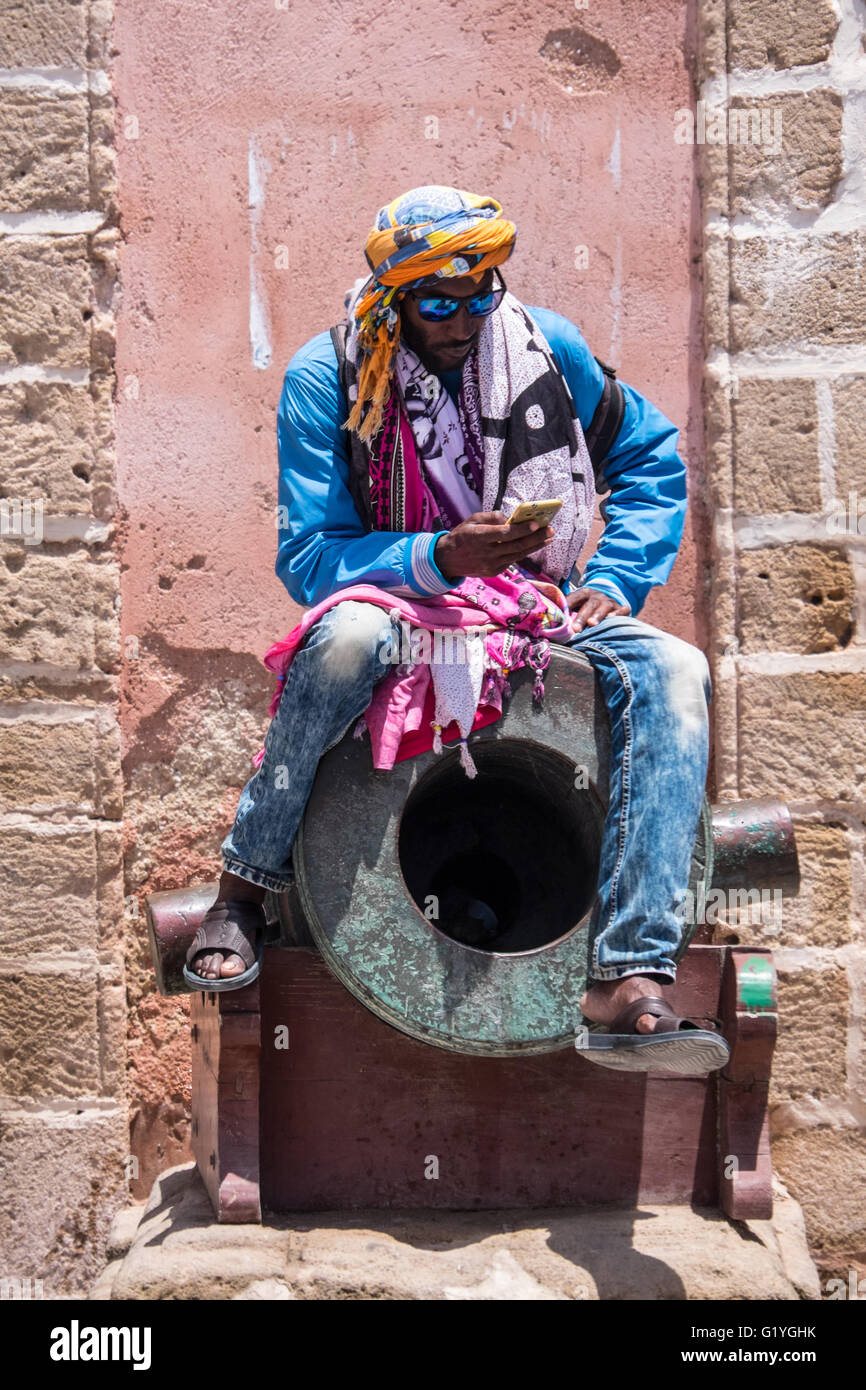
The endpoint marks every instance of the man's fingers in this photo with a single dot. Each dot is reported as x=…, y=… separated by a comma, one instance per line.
x=484, y=545
x=590, y=607
x=508, y=536
x=504, y=535
x=507, y=554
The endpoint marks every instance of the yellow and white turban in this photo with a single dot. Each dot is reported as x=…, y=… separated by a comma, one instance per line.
x=428, y=231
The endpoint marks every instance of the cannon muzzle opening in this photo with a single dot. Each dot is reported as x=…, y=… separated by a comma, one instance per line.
x=506, y=862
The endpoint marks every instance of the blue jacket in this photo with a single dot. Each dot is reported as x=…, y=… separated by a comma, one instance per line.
x=323, y=546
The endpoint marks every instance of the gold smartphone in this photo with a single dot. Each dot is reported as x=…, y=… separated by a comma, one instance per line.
x=543, y=511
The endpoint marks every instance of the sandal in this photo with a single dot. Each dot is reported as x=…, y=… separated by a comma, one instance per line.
x=675, y=1044
x=228, y=926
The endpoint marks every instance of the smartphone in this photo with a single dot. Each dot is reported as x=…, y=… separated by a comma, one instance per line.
x=543, y=511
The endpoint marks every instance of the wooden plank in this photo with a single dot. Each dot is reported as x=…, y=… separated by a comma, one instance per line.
x=354, y=1113
x=225, y=1101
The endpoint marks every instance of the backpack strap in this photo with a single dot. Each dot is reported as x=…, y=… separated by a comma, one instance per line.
x=606, y=422
x=338, y=338
x=359, y=459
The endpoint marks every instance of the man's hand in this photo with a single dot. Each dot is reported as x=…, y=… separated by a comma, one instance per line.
x=591, y=606
x=484, y=544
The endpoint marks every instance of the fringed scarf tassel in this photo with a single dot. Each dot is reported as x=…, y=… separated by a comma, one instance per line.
x=538, y=658
x=466, y=759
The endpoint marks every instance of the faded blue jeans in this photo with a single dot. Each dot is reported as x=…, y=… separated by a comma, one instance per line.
x=657, y=691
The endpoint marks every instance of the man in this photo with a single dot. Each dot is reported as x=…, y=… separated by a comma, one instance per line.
x=400, y=443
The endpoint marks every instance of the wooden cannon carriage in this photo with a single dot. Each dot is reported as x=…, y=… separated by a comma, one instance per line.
x=388, y=1057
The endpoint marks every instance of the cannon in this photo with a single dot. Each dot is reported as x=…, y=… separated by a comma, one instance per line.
x=422, y=978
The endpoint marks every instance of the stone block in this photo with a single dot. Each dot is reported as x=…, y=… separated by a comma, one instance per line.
x=785, y=152
x=776, y=454
x=712, y=37
x=793, y=34
x=48, y=887
x=103, y=155
x=804, y=290
x=849, y=414
x=62, y=890
x=810, y=1057
x=64, y=1177
x=55, y=443
x=43, y=150
x=49, y=1033
x=60, y=608
x=795, y=598
x=72, y=766
x=46, y=301
x=179, y=1252
x=111, y=1014
x=801, y=735
x=718, y=434
x=115, y=916
x=43, y=34
x=824, y=1168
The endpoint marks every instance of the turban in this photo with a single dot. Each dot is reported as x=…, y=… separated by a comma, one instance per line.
x=428, y=231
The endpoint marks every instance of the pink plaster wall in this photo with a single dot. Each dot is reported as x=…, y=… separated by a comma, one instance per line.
x=332, y=102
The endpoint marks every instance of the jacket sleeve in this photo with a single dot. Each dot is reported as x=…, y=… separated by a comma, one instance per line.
x=323, y=546
x=645, y=477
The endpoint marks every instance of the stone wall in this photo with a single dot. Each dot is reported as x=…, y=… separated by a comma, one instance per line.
x=63, y=1128
x=785, y=406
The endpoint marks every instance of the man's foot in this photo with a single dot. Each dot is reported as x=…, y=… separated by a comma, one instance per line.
x=213, y=964
x=677, y=1045
x=606, y=998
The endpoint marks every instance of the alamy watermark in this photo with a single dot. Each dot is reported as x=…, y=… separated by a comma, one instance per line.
x=77, y=1343
x=719, y=125
x=22, y=516
x=854, y=1289
x=847, y=518
x=722, y=906
x=414, y=645
x=14, y=1287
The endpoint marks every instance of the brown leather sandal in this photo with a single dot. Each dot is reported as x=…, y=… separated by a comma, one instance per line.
x=675, y=1044
x=229, y=926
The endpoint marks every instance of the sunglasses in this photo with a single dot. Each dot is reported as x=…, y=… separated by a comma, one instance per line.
x=436, y=308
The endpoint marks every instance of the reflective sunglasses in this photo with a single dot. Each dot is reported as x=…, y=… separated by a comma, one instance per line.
x=436, y=308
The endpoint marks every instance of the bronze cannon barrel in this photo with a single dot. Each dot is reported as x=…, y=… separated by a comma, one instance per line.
x=458, y=910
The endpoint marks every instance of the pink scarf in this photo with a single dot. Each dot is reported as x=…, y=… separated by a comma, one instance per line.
x=506, y=622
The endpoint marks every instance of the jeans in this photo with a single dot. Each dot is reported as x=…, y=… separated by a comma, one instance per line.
x=657, y=690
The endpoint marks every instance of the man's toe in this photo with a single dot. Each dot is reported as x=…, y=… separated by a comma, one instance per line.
x=206, y=965
x=232, y=965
